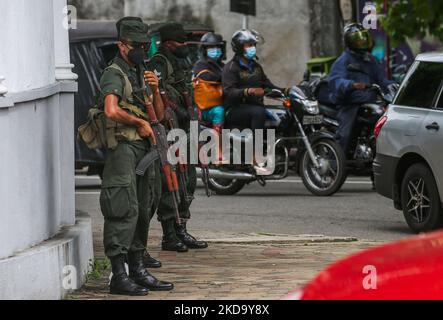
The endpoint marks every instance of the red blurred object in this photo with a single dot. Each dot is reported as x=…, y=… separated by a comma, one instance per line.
x=410, y=269
x=380, y=123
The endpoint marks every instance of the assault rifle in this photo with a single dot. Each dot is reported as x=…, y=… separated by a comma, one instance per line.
x=161, y=150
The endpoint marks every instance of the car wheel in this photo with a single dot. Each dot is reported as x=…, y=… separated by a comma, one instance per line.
x=420, y=199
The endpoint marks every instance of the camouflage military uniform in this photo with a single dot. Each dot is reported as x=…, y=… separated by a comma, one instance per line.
x=175, y=80
x=173, y=85
x=127, y=201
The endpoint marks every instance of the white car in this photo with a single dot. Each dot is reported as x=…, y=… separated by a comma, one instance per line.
x=408, y=167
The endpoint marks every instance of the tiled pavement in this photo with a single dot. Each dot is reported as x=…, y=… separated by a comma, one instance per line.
x=234, y=266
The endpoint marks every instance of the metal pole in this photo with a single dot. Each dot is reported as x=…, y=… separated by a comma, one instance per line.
x=245, y=21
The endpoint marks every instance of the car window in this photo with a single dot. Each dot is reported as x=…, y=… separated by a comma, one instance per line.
x=109, y=51
x=421, y=85
x=440, y=100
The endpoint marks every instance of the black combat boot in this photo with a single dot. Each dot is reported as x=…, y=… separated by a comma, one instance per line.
x=142, y=277
x=170, y=240
x=188, y=239
x=120, y=282
x=150, y=262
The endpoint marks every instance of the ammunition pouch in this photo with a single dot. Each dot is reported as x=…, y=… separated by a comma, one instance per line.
x=92, y=132
x=101, y=132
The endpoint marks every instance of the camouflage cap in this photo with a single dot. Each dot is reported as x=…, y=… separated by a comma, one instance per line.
x=132, y=29
x=173, y=32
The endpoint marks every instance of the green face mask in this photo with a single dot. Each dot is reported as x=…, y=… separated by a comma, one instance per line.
x=361, y=40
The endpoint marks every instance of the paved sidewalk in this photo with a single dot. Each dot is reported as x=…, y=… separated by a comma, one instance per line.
x=235, y=266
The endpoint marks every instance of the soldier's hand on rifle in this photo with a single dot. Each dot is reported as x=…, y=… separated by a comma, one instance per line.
x=152, y=80
x=145, y=131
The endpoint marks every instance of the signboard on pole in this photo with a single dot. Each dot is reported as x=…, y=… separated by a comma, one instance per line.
x=246, y=7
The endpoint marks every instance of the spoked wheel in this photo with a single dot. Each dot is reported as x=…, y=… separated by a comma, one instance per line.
x=420, y=199
x=329, y=176
x=226, y=187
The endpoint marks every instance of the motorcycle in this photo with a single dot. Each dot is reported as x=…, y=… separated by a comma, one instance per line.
x=363, y=145
x=302, y=146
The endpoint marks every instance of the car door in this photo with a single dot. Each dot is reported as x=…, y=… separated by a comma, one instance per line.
x=432, y=137
x=406, y=114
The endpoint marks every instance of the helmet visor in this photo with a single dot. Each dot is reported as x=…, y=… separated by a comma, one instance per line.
x=361, y=40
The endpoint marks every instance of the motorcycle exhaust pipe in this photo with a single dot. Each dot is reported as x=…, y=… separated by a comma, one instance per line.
x=220, y=174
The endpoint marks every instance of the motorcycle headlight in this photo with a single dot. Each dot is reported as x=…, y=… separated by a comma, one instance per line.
x=311, y=107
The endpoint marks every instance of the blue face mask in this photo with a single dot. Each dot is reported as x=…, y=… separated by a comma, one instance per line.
x=250, y=53
x=214, y=53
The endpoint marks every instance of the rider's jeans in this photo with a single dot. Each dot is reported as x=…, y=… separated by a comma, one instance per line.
x=247, y=116
x=347, y=116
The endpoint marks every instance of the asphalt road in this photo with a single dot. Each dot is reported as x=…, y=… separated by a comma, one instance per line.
x=283, y=207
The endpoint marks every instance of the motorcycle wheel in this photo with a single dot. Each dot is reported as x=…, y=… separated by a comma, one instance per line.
x=328, y=179
x=226, y=187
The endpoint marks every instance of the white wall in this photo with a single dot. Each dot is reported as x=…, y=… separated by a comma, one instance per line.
x=36, y=130
x=27, y=37
x=30, y=203
x=40, y=234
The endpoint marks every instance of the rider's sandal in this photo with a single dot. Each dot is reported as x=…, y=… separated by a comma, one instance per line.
x=262, y=171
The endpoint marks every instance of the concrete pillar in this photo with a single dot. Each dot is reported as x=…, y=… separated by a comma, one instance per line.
x=3, y=89
x=24, y=63
x=39, y=233
x=64, y=74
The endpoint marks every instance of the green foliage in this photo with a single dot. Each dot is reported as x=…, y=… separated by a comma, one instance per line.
x=97, y=268
x=412, y=18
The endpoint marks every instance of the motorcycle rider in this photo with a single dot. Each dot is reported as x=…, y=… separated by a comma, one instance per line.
x=207, y=79
x=245, y=84
x=350, y=76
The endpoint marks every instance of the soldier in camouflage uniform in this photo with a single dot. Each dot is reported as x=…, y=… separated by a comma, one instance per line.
x=175, y=82
x=127, y=200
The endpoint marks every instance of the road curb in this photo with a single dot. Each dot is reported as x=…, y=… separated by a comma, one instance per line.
x=280, y=239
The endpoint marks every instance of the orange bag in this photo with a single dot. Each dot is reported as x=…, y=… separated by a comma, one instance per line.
x=207, y=94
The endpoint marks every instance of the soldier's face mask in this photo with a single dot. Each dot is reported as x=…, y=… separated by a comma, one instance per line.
x=181, y=50
x=136, y=54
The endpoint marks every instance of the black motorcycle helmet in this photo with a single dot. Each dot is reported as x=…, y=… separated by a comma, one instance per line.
x=211, y=39
x=357, y=38
x=242, y=37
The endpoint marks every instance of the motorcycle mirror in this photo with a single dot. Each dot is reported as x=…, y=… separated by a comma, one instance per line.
x=297, y=93
x=389, y=98
x=275, y=93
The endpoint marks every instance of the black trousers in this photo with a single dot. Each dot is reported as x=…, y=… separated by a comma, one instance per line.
x=347, y=117
x=247, y=116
